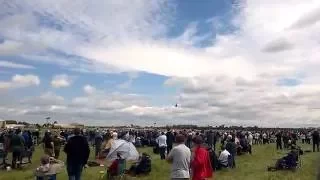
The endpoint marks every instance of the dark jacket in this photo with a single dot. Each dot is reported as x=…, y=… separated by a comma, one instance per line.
x=77, y=150
x=170, y=138
x=210, y=138
x=231, y=148
x=17, y=143
x=315, y=136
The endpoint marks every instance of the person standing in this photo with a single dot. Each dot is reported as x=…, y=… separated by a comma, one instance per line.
x=250, y=139
x=315, y=140
x=303, y=137
x=285, y=139
x=264, y=138
x=98, y=139
x=200, y=164
x=180, y=157
x=279, y=140
x=308, y=137
x=189, y=140
x=77, y=150
x=170, y=139
x=210, y=138
x=17, y=145
x=48, y=144
x=57, y=143
x=162, y=143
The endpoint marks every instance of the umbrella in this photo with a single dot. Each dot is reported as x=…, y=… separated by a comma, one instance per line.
x=127, y=150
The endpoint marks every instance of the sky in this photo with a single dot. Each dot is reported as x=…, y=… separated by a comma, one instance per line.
x=110, y=62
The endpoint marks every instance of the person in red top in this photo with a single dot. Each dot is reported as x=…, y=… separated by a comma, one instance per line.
x=200, y=164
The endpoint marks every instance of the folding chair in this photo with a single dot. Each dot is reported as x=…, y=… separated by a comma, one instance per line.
x=121, y=171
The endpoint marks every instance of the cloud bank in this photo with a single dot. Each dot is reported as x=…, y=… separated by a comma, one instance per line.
x=233, y=79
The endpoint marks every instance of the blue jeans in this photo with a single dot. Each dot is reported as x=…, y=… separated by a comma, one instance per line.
x=50, y=177
x=74, y=171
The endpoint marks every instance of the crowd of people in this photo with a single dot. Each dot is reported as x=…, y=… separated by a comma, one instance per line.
x=193, y=154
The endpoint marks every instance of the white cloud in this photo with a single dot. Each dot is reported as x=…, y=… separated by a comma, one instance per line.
x=20, y=81
x=88, y=89
x=8, y=64
x=61, y=81
x=260, y=101
x=309, y=18
x=10, y=47
x=45, y=99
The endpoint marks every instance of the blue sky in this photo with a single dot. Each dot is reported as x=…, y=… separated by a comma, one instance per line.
x=118, y=61
x=186, y=12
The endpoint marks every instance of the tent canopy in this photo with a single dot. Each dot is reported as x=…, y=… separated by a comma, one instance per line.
x=127, y=150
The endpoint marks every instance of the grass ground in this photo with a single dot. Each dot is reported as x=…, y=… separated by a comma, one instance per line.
x=249, y=167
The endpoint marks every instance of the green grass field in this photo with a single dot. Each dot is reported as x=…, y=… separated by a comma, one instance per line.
x=249, y=167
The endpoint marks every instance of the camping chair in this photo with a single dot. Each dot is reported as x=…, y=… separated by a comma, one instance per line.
x=121, y=171
x=122, y=168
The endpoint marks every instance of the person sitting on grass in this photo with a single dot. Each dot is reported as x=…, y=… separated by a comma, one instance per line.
x=213, y=159
x=143, y=166
x=287, y=162
x=231, y=147
x=224, y=158
x=48, y=168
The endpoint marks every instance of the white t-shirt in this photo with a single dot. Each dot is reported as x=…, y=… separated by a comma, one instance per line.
x=223, y=158
x=250, y=139
x=162, y=141
x=264, y=136
x=181, y=157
